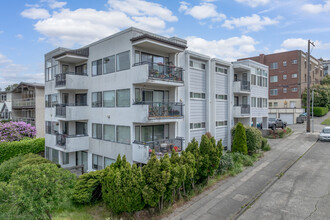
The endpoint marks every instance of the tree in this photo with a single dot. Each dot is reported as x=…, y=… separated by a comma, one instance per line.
x=239, y=142
x=38, y=190
x=194, y=150
x=321, y=95
x=10, y=87
x=189, y=161
x=205, y=164
x=326, y=80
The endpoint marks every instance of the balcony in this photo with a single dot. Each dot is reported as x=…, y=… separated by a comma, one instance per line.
x=158, y=73
x=241, y=87
x=241, y=111
x=142, y=150
x=71, y=80
x=31, y=121
x=24, y=103
x=72, y=143
x=163, y=110
x=72, y=112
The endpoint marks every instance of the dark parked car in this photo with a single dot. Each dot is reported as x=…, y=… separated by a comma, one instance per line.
x=274, y=123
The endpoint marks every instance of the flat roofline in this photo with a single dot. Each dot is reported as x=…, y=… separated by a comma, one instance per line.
x=151, y=37
x=253, y=62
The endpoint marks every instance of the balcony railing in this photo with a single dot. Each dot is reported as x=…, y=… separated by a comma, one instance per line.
x=29, y=102
x=60, y=110
x=162, y=147
x=60, y=79
x=164, y=72
x=245, y=85
x=27, y=120
x=245, y=109
x=61, y=139
x=163, y=109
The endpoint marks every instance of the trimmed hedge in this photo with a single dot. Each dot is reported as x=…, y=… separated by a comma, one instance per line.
x=12, y=149
x=320, y=111
x=253, y=138
x=239, y=142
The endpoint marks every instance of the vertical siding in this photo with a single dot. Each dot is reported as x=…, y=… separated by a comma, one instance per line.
x=197, y=111
x=197, y=80
x=221, y=111
x=222, y=133
x=197, y=134
x=221, y=84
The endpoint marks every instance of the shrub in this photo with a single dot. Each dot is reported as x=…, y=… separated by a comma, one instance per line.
x=245, y=160
x=265, y=146
x=11, y=149
x=16, y=131
x=88, y=188
x=281, y=133
x=239, y=142
x=320, y=111
x=253, y=139
x=8, y=167
x=226, y=163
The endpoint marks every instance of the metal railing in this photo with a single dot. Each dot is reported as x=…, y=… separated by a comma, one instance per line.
x=163, y=109
x=60, y=109
x=245, y=109
x=60, y=79
x=31, y=121
x=28, y=102
x=61, y=139
x=163, y=72
x=245, y=86
x=162, y=147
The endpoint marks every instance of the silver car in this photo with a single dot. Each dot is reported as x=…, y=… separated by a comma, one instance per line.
x=325, y=134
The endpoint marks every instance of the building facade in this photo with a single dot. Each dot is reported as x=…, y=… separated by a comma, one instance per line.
x=131, y=93
x=326, y=67
x=5, y=105
x=28, y=105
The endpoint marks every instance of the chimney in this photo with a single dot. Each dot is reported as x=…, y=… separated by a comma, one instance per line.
x=262, y=58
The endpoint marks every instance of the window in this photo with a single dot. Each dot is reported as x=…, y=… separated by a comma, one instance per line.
x=109, y=98
x=191, y=63
x=284, y=63
x=65, y=157
x=47, y=153
x=123, y=61
x=97, y=162
x=48, y=127
x=264, y=103
x=197, y=64
x=50, y=100
x=81, y=70
x=138, y=97
x=55, y=156
x=97, y=67
x=123, y=98
x=284, y=77
x=294, y=89
x=270, y=104
x=220, y=70
x=273, y=79
x=96, y=99
x=108, y=161
x=221, y=97
x=124, y=134
x=273, y=66
x=294, y=75
x=253, y=79
x=48, y=71
x=285, y=90
x=196, y=95
x=264, y=82
x=198, y=125
x=273, y=92
x=137, y=133
x=259, y=80
x=259, y=102
x=81, y=128
x=220, y=123
x=275, y=104
x=97, y=131
x=294, y=61
x=109, y=64
x=109, y=133
x=253, y=102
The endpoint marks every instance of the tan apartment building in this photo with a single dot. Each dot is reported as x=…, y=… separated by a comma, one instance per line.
x=288, y=81
x=28, y=105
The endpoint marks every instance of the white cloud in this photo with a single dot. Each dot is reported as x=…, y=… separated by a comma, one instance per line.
x=203, y=11
x=254, y=3
x=54, y=4
x=299, y=43
x=316, y=8
x=19, y=36
x=228, y=49
x=280, y=50
x=250, y=23
x=35, y=13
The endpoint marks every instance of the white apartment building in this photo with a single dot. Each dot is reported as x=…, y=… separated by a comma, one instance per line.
x=134, y=92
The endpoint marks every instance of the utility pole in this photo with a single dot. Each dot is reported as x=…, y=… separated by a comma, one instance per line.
x=308, y=128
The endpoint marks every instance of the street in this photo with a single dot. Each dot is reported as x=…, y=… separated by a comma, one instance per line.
x=303, y=183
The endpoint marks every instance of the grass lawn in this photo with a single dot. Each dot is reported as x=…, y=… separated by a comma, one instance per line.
x=326, y=121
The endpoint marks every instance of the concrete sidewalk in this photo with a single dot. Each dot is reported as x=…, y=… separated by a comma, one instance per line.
x=229, y=196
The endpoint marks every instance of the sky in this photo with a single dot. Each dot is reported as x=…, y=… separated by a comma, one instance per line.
x=226, y=29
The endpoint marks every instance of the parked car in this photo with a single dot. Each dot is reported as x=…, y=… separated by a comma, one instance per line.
x=274, y=123
x=325, y=134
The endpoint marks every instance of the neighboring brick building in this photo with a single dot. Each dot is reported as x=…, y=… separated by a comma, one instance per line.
x=288, y=77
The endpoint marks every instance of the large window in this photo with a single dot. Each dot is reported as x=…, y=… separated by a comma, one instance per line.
x=264, y=103
x=108, y=161
x=50, y=100
x=96, y=99
x=253, y=102
x=123, y=98
x=81, y=128
x=97, y=67
x=81, y=70
x=55, y=156
x=124, y=134
x=259, y=102
x=253, y=79
x=294, y=75
x=65, y=157
x=97, y=162
x=123, y=61
x=273, y=92
x=109, y=64
x=273, y=66
x=294, y=61
x=48, y=70
x=109, y=98
x=109, y=133
x=273, y=79
x=220, y=70
x=97, y=131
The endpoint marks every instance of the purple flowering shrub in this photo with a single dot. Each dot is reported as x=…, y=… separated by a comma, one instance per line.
x=16, y=131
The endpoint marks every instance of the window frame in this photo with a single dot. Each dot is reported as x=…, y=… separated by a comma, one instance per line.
x=114, y=132
x=98, y=62
x=129, y=98
x=103, y=101
x=129, y=61
x=99, y=104
x=99, y=137
x=104, y=69
x=129, y=134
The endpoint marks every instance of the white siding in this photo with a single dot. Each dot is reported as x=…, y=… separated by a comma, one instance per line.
x=197, y=134
x=197, y=111
x=221, y=110
x=197, y=80
x=221, y=86
x=222, y=133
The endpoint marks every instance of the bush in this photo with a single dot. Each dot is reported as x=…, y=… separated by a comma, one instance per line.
x=245, y=160
x=8, y=167
x=88, y=188
x=253, y=139
x=12, y=149
x=265, y=146
x=226, y=163
x=239, y=142
x=16, y=131
x=320, y=111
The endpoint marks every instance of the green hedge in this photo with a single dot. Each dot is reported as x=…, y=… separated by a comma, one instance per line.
x=12, y=149
x=320, y=111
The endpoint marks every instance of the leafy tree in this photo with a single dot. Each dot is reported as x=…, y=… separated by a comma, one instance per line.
x=321, y=95
x=239, y=142
x=253, y=139
x=189, y=162
x=38, y=190
x=10, y=87
x=326, y=80
x=156, y=179
x=122, y=187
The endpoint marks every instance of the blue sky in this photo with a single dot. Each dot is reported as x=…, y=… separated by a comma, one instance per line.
x=227, y=29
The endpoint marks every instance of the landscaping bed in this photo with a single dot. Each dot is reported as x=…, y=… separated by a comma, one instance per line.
x=280, y=133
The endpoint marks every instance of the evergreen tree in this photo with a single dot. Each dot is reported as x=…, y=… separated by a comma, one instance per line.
x=239, y=142
x=194, y=150
x=189, y=162
x=205, y=161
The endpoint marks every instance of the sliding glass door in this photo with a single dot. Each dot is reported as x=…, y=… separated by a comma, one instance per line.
x=154, y=133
